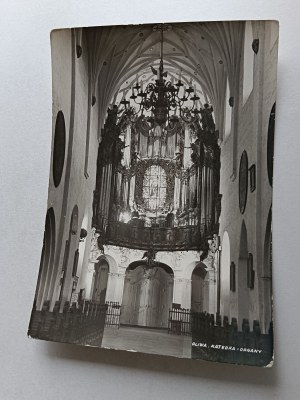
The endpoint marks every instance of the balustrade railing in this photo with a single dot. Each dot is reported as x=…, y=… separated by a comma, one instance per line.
x=180, y=321
x=81, y=323
x=113, y=313
x=160, y=238
x=216, y=339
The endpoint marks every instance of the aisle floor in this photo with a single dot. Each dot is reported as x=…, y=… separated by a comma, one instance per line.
x=147, y=340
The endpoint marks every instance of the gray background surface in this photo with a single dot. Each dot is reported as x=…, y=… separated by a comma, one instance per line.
x=32, y=369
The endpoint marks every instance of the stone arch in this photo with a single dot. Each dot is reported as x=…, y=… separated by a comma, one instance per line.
x=47, y=258
x=189, y=268
x=168, y=258
x=183, y=283
x=267, y=275
x=225, y=276
x=145, y=264
x=112, y=264
x=147, y=295
x=242, y=289
x=108, y=279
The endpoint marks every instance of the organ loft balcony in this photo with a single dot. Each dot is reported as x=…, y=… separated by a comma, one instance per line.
x=158, y=238
x=157, y=188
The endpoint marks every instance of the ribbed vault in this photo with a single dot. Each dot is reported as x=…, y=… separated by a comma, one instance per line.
x=205, y=54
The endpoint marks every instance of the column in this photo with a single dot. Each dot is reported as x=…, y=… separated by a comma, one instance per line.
x=102, y=190
x=184, y=189
x=182, y=292
x=187, y=148
x=115, y=287
x=210, y=292
x=107, y=194
x=127, y=147
x=203, y=196
x=177, y=194
x=131, y=191
x=89, y=281
x=125, y=190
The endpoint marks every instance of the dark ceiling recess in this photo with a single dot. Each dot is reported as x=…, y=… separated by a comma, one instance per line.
x=270, y=146
x=144, y=263
x=59, y=148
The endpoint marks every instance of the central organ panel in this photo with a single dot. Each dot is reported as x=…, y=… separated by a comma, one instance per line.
x=157, y=188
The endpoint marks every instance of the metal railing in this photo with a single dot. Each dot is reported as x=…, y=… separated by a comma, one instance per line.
x=179, y=321
x=113, y=313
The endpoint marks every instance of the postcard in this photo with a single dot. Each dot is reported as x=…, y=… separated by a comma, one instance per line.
x=158, y=232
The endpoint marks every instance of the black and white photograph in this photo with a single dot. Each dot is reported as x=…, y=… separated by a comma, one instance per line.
x=158, y=229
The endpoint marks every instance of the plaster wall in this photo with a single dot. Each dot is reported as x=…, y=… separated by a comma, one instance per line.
x=70, y=95
x=252, y=137
x=182, y=264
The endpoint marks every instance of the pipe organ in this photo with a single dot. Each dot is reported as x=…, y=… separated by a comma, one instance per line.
x=157, y=187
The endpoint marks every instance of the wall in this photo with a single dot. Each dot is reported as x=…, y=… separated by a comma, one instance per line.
x=70, y=78
x=147, y=297
x=35, y=369
x=182, y=264
x=251, y=136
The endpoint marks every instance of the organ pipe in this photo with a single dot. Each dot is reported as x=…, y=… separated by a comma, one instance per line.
x=190, y=155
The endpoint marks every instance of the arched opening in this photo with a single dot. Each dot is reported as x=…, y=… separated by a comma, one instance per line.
x=103, y=285
x=47, y=257
x=147, y=295
x=198, y=288
x=100, y=278
x=59, y=147
x=243, y=291
x=248, y=62
x=267, y=275
x=225, y=276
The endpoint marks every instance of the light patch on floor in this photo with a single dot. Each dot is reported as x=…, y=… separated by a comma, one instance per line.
x=153, y=341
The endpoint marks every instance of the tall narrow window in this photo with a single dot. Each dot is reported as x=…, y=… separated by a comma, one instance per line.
x=154, y=188
x=270, y=145
x=59, y=148
x=228, y=112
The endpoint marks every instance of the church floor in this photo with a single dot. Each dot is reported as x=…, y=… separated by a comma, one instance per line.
x=153, y=341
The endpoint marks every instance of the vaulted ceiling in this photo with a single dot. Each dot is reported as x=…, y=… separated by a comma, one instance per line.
x=206, y=53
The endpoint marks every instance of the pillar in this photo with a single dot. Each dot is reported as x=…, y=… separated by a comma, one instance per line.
x=89, y=281
x=115, y=286
x=182, y=292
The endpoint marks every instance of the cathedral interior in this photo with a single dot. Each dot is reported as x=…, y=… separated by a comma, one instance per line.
x=160, y=187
